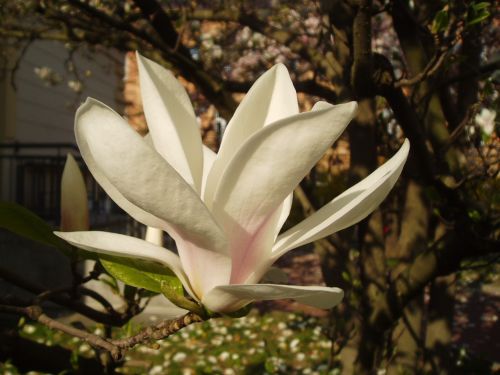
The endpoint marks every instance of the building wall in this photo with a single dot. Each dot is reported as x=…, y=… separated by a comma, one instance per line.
x=45, y=112
x=40, y=112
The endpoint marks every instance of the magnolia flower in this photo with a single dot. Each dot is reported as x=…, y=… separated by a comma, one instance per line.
x=223, y=210
x=486, y=120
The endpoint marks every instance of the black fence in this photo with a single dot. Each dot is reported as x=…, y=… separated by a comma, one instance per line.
x=30, y=174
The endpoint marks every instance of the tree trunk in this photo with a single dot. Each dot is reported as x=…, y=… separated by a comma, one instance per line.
x=438, y=358
x=370, y=238
x=406, y=337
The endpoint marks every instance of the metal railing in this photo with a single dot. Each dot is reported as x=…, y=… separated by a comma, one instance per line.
x=30, y=174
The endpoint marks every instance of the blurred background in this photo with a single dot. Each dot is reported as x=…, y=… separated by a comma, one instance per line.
x=420, y=274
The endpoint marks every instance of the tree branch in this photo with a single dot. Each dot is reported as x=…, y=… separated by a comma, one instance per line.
x=431, y=68
x=406, y=116
x=442, y=258
x=362, y=67
x=159, y=331
x=181, y=57
x=36, y=313
x=310, y=87
x=116, y=348
x=476, y=73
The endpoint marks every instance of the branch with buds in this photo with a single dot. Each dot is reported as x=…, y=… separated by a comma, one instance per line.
x=116, y=348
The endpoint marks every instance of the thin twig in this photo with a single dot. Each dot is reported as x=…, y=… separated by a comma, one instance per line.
x=431, y=68
x=17, y=64
x=471, y=111
x=98, y=298
x=490, y=262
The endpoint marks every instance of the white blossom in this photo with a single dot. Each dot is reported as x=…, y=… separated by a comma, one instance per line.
x=179, y=357
x=223, y=210
x=486, y=120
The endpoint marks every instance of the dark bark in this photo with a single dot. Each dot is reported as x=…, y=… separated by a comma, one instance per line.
x=372, y=265
x=418, y=46
x=467, y=88
x=439, y=353
x=406, y=337
x=369, y=241
x=421, y=159
x=441, y=259
x=362, y=68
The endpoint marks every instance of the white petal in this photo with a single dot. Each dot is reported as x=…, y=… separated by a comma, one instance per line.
x=271, y=98
x=227, y=298
x=129, y=247
x=205, y=269
x=74, y=203
x=348, y=208
x=154, y=235
x=139, y=180
x=269, y=166
x=171, y=120
x=208, y=161
x=149, y=141
x=248, y=261
x=134, y=211
x=248, y=250
x=285, y=208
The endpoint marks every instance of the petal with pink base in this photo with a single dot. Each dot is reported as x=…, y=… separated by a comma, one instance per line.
x=205, y=269
x=265, y=171
x=348, y=208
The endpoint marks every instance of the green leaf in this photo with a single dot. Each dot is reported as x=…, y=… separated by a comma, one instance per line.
x=479, y=18
x=138, y=273
x=346, y=276
x=176, y=295
x=477, y=12
x=392, y=262
x=23, y=222
x=480, y=6
x=474, y=215
x=441, y=21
